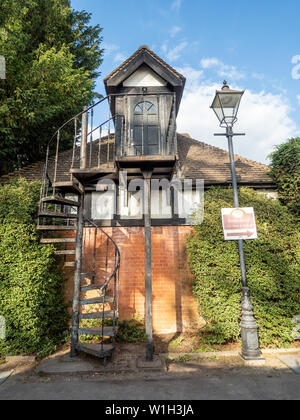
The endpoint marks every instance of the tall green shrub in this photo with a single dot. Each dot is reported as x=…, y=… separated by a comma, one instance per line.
x=285, y=169
x=31, y=287
x=272, y=267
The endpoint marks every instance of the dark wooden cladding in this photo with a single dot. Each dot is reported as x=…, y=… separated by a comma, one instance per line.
x=145, y=125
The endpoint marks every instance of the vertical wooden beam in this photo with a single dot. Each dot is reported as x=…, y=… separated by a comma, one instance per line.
x=148, y=266
x=77, y=279
x=84, y=133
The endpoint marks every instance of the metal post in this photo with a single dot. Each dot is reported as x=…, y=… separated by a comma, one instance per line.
x=77, y=279
x=249, y=327
x=148, y=266
x=84, y=133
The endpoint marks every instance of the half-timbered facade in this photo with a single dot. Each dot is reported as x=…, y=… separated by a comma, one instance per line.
x=123, y=251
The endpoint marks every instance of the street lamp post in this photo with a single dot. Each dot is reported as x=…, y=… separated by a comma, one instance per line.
x=226, y=105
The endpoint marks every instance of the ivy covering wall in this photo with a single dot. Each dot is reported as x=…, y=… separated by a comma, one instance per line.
x=31, y=286
x=272, y=266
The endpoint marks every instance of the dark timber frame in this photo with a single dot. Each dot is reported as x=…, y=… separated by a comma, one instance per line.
x=148, y=265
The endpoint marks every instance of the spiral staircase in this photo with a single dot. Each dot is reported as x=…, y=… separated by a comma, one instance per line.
x=62, y=223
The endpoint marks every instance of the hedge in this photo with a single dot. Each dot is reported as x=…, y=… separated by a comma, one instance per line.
x=272, y=268
x=31, y=286
x=285, y=169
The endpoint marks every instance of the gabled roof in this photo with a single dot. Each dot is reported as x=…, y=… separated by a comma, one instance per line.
x=197, y=160
x=143, y=52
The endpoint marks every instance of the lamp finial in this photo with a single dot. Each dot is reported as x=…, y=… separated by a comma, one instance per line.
x=225, y=85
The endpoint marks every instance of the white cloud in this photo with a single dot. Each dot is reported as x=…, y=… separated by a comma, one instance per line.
x=193, y=76
x=110, y=48
x=264, y=117
x=298, y=98
x=223, y=70
x=296, y=68
x=173, y=54
x=208, y=63
x=119, y=58
x=258, y=76
x=175, y=30
x=176, y=5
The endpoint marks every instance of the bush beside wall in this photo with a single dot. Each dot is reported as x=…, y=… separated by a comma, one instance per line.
x=31, y=286
x=272, y=267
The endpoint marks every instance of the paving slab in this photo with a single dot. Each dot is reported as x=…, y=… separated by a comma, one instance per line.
x=292, y=361
x=5, y=375
x=155, y=364
x=65, y=365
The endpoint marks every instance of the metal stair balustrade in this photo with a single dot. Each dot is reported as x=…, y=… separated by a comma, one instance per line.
x=60, y=217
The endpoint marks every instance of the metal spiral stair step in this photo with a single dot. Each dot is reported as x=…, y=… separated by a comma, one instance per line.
x=69, y=264
x=57, y=215
x=58, y=241
x=55, y=228
x=107, y=331
x=84, y=275
x=91, y=287
x=68, y=186
x=60, y=200
x=98, y=350
x=65, y=252
x=100, y=315
x=97, y=300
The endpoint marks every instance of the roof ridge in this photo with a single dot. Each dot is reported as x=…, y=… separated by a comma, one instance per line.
x=210, y=146
x=153, y=54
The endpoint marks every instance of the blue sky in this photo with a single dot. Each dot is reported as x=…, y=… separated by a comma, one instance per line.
x=254, y=45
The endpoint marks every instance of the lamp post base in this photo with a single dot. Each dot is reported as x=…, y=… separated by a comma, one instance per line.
x=249, y=330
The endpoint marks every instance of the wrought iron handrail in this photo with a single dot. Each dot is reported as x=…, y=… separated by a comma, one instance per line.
x=114, y=275
x=77, y=134
x=76, y=117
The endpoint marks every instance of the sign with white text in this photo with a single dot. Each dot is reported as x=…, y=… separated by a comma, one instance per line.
x=239, y=224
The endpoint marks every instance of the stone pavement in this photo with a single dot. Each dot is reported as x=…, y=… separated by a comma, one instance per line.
x=129, y=378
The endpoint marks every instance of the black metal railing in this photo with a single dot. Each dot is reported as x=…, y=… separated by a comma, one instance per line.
x=110, y=274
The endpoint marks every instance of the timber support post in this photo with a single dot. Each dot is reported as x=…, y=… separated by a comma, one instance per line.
x=77, y=279
x=148, y=264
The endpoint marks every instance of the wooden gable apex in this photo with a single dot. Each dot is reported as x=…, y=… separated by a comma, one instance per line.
x=144, y=56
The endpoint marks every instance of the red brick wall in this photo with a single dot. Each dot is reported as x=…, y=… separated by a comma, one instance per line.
x=174, y=307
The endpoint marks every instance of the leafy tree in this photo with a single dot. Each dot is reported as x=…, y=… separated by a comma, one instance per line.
x=285, y=167
x=52, y=59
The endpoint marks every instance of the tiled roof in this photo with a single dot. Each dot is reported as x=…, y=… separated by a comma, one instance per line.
x=201, y=161
x=197, y=160
x=153, y=55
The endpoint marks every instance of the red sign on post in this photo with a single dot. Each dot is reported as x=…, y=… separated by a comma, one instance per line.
x=239, y=223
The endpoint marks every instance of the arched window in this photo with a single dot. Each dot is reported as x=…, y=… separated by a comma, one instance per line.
x=145, y=129
x=145, y=107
